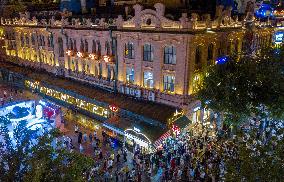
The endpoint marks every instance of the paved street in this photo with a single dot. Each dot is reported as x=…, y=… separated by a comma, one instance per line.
x=71, y=120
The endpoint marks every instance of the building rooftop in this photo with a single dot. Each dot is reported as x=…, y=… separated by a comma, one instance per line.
x=148, y=109
x=124, y=123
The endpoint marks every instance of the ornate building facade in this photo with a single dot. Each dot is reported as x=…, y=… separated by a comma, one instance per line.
x=147, y=56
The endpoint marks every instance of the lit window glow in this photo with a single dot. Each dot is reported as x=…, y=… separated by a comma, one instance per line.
x=84, y=105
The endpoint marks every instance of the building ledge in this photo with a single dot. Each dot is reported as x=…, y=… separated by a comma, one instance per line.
x=147, y=109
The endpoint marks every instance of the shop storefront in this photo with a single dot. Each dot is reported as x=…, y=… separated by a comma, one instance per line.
x=136, y=139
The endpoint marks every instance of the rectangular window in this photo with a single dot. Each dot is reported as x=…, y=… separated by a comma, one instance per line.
x=27, y=40
x=60, y=45
x=108, y=72
x=107, y=48
x=170, y=55
x=33, y=39
x=86, y=46
x=130, y=75
x=99, y=52
x=75, y=45
x=148, y=52
x=22, y=41
x=169, y=83
x=148, y=79
x=94, y=47
x=43, y=40
x=129, y=50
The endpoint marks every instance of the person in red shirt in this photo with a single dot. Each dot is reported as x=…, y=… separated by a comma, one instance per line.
x=173, y=163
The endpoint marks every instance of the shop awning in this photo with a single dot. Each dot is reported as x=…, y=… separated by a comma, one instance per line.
x=182, y=122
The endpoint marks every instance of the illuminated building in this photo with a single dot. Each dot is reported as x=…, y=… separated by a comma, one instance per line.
x=148, y=55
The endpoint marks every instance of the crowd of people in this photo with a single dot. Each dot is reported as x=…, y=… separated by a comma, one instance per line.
x=8, y=94
x=113, y=163
x=183, y=157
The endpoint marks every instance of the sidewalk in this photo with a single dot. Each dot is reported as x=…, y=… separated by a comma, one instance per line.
x=68, y=129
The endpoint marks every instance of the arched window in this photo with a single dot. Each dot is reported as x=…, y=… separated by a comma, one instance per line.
x=148, y=52
x=99, y=48
x=60, y=45
x=75, y=45
x=71, y=44
x=109, y=69
x=198, y=57
x=210, y=54
x=51, y=40
x=27, y=40
x=107, y=48
x=96, y=71
x=22, y=40
x=170, y=55
x=100, y=70
x=33, y=39
x=86, y=46
x=42, y=40
x=82, y=46
x=94, y=47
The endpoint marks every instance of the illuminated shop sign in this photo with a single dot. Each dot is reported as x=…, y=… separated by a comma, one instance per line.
x=176, y=129
x=222, y=60
x=113, y=108
x=176, y=116
x=137, y=137
x=279, y=37
x=82, y=104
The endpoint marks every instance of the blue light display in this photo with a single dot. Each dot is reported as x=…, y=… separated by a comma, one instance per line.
x=264, y=11
x=278, y=37
x=222, y=60
x=74, y=6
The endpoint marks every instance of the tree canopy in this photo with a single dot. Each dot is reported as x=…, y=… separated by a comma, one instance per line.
x=250, y=86
x=254, y=158
x=23, y=160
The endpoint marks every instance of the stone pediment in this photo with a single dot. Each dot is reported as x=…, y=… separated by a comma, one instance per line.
x=149, y=18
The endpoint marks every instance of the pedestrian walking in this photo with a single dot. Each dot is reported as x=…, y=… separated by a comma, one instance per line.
x=85, y=136
x=117, y=157
x=80, y=137
x=76, y=129
x=90, y=137
x=125, y=156
x=81, y=148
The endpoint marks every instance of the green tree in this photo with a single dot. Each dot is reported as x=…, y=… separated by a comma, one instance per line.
x=251, y=86
x=256, y=159
x=21, y=160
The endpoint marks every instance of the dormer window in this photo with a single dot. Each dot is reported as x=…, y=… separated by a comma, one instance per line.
x=148, y=21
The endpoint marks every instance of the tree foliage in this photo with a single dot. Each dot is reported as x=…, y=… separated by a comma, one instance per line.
x=250, y=86
x=256, y=159
x=23, y=160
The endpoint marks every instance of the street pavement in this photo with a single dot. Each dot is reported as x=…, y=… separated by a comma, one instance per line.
x=71, y=119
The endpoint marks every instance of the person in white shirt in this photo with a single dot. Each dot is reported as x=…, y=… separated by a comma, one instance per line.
x=76, y=129
x=81, y=148
x=109, y=164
